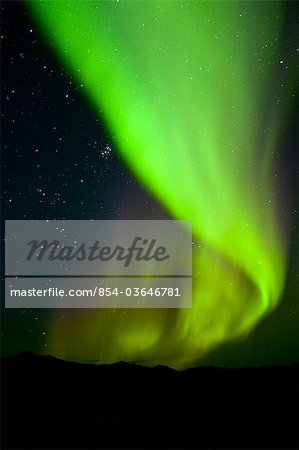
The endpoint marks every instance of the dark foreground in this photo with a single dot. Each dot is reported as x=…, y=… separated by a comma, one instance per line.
x=48, y=403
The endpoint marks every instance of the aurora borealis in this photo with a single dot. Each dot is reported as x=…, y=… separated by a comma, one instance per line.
x=196, y=95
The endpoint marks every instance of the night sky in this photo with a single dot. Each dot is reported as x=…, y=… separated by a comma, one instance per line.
x=60, y=161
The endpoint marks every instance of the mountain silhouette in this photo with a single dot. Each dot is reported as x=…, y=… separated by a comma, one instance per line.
x=51, y=403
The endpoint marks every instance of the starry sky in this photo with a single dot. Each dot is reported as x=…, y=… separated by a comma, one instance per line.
x=61, y=161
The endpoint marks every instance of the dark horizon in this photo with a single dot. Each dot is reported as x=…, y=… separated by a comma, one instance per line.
x=57, y=404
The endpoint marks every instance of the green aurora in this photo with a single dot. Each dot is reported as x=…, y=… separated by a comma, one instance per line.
x=183, y=88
